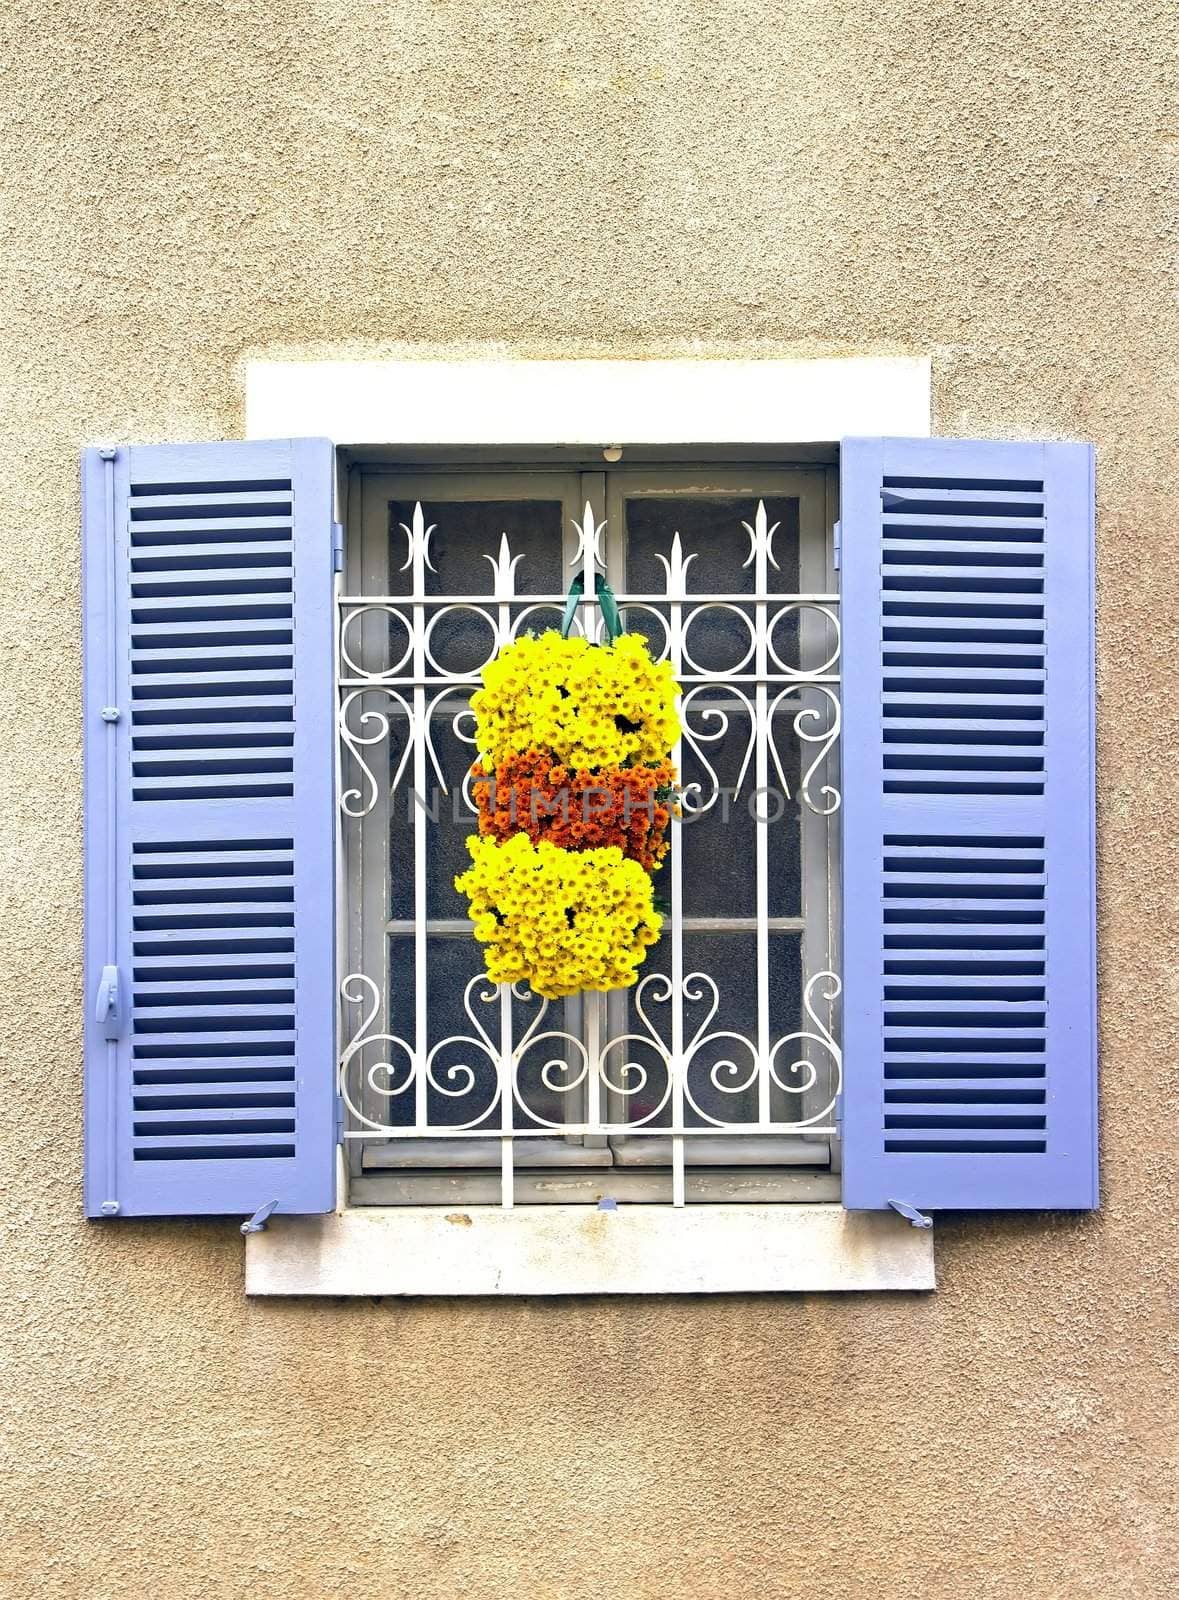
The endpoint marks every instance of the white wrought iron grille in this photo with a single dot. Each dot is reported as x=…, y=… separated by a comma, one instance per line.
x=720, y=1069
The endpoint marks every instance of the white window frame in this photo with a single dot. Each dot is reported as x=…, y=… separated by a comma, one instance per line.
x=792, y=1159
x=578, y=1249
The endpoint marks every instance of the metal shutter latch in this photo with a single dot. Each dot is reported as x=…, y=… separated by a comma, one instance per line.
x=107, y=1011
x=257, y=1223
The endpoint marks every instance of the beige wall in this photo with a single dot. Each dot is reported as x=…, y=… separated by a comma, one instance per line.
x=190, y=184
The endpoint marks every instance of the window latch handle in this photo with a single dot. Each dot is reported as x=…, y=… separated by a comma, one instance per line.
x=108, y=1013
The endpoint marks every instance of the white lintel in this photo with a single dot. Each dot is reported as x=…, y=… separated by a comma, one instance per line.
x=499, y=401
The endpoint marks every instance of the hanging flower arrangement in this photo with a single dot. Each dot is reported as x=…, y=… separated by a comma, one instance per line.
x=595, y=706
x=575, y=792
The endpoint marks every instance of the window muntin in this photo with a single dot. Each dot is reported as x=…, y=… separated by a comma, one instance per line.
x=716, y=1077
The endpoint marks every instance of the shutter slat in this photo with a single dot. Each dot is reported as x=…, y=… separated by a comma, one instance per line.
x=969, y=974
x=935, y=753
x=208, y=1018
x=165, y=635
x=176, y=530
x=189, y=968
x=205, y=1041
x=197, y=505
x=989, y=876
x=970, y=502
x=210, y=736
x=964, y=907
x=212, y=1094
x=251, y=756
x=934, y=1065
x=167, y=889
x=947, y=525
x=240, y=708
x=970, y=1090
x=186, y=1146
x=151, y=685
x=970, y=730
x=212, y=607
x=915, y=653
x=157, y=1122
x=926, y=556
x=236, y=786
x=183, y=583
x=903, y=702
x=950, y=677
x=966, y=629
x=944, y=983
x=154, y=862
x=226, y=914
x=210, y=882
x=946, y=602
x=947, y=1113
x=272, y=1066
x=952, y=933
x=209, y=657
x=261, y=935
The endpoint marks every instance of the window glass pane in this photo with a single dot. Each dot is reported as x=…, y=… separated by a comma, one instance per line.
x=466, y=539
x=467, y=530
x=462, y=1086
x=720, y=977
x=710, y=528
x=449, y=820
x=720, y=842
x=465, y=542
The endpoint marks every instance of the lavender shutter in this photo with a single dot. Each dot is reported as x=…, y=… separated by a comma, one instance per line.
x=969, y=986
x=209, y=1082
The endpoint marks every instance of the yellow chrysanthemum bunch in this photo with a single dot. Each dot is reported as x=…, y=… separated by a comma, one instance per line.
x=564, y=920
x=592, y=707
x=591, y=717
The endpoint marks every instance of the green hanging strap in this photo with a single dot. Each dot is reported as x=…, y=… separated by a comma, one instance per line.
x=576, y=590
x=605, y=598
x=609, y=607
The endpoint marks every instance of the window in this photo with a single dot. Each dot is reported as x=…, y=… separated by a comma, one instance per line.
x=717, y=1077
x=961, y=644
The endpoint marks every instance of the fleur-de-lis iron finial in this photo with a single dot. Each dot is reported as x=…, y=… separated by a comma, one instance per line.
x=418, y=536
x=761, y=537
x=504, y=565
x=588, y=538
x=676, y=568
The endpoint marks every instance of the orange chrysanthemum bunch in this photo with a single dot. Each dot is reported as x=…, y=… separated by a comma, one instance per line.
x=575, y=791
x=628, y=807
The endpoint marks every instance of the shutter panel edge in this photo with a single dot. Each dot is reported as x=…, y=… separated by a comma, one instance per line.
x=209, y=828
x=958, y=1095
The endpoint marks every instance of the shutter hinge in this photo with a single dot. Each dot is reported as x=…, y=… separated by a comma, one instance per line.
x=337, y=547
x=839, y=1108
x=837, y=546
x=339, y=1119
x=257, y=1223
x=108, y=1013
x=911, y=1214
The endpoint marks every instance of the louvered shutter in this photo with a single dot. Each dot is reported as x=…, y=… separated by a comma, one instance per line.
x=968, y=848
x=209, y=1082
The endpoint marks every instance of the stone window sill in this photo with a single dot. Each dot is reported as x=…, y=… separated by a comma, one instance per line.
x=559, y=1250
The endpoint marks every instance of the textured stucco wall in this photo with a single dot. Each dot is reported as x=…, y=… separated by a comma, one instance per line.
x=187, y=184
